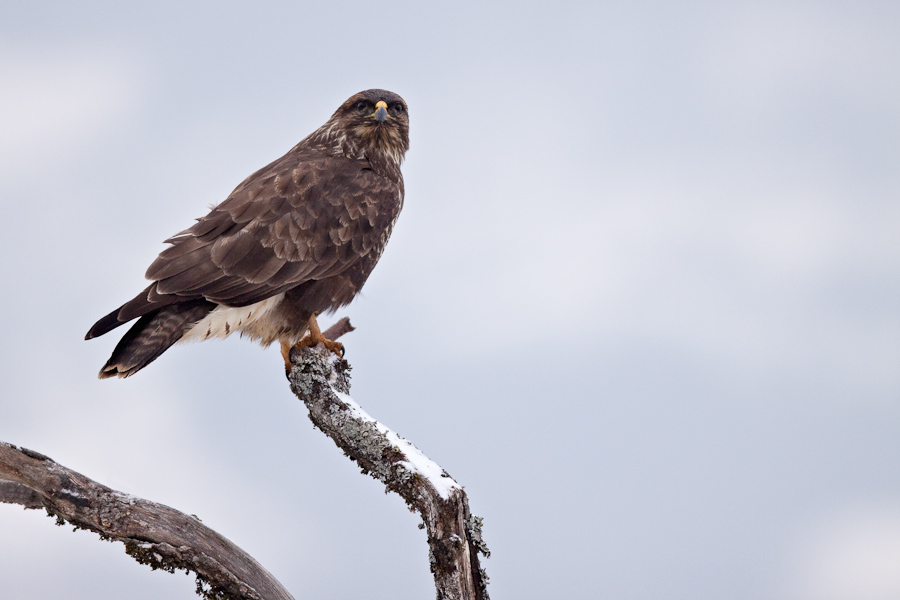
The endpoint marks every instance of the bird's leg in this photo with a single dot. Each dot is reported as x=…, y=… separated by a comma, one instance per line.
x=315, y=337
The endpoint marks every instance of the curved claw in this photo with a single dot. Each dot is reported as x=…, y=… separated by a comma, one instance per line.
x=336, y=347
x=311, y=341
x=313, y=338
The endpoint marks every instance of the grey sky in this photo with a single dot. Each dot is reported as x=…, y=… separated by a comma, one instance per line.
x=642, y=300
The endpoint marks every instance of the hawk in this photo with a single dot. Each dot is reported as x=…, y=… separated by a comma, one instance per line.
x=297, y=238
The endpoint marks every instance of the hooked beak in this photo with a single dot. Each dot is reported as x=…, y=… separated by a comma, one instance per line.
x=380, y=111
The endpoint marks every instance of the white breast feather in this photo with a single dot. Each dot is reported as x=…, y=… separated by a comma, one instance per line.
x=225, y=320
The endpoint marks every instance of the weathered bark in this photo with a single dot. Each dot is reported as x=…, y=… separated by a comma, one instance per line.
x=321, y=381
x=164, y=538
x=153, y=534
x=16, y=493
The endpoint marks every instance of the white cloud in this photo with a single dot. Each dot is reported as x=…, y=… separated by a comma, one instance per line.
x=766, y=54
x=53, y=99
x=749, y=277
x=853, y=555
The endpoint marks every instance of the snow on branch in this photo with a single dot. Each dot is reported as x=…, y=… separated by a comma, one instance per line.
x=321, y=381
x=167, y=539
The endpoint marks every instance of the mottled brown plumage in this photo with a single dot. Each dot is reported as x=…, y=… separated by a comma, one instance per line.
x=297, y=238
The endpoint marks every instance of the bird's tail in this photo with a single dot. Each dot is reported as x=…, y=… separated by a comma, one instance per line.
x=152, y=335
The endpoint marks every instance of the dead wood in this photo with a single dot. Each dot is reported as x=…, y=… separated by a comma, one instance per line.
x=165, y=538
x=321, y=381
x=154, y=534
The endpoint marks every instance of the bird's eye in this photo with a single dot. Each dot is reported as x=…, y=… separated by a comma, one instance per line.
x=362, y=106
x=397, y=108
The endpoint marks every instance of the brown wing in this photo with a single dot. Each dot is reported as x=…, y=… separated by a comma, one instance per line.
x=298, y=219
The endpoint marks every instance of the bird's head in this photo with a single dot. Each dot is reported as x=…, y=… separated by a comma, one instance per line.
x=373, y=124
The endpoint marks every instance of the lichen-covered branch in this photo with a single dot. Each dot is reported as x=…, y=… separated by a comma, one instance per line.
x=164, y=538
x=154, y=534
x=321, y=381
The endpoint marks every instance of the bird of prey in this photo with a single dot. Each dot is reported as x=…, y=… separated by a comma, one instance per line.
x=297, y=238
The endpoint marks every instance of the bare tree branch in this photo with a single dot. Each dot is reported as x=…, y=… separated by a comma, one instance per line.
x=153, y=534
x=164, y=538
x=321, y=381
x=16, y=493
x=341, y=327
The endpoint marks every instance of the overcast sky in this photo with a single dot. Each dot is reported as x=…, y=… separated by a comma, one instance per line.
x=643, y=300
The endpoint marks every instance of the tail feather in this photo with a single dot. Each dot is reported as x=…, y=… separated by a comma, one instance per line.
x=105, y=325
x=152, y=335
x=145, y=303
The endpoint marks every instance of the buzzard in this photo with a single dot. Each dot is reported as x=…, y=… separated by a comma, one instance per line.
x=298, y=237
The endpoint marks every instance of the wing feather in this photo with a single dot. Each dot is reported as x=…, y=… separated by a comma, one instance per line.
x=301, y=218
x=198, y=275
x=217, y=223
x=178, y=262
